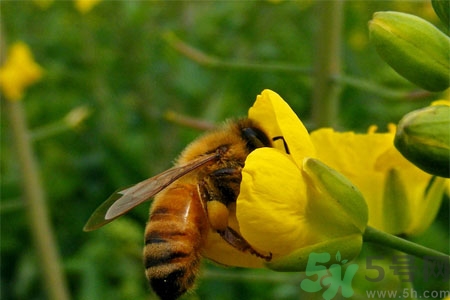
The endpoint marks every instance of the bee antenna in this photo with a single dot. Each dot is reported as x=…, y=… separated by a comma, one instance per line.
x=284, y=143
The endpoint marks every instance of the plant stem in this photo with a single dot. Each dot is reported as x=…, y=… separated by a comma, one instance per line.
x=35, y=204
x=385, y=92
x=327, y=64
x=210, y=61
x=336, y=79
x=187, y=121
x=48, y=130
x=376, y=236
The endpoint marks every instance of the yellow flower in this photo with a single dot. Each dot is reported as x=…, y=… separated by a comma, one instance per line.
x=85, y=6
x=291, y=204
x=401, y=197
x=43, y=4
x=18, y=72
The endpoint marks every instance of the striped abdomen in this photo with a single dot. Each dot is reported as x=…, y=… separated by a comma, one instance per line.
x=174, y=236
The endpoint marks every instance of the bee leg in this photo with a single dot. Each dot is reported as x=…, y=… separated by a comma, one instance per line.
x=237, y=241
x=216, y=210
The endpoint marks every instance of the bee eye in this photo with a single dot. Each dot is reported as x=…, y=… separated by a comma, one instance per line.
x=255, y=138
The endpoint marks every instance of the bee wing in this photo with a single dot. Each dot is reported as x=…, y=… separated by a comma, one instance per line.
x=123, y=200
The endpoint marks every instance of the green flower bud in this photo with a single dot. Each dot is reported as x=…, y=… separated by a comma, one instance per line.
x=346, y=198
x=442, y=9
x=423, y=137
x=413, y=47
x=334, y=199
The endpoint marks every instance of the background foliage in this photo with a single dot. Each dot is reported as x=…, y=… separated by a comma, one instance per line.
x=116, y=61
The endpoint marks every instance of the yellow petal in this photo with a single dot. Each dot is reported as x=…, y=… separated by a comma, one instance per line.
x=416, y=183
x=85, y=6
x=18, y=72
x=278, y=120
x=367, y=159
x=441, y=102
x=271, y=204
x=428, y=207
x=395, y=202
x=219, y=251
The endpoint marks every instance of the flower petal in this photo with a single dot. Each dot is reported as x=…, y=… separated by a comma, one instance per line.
x=272, y=202
x=395, y=200
x=429, y=206
x=18, y=71
x=441, y=102
x=367, y=159
x=219, y=251
x=278, y=120
x=416, y=182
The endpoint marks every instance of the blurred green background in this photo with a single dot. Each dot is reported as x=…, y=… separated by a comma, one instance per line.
x=116, y=61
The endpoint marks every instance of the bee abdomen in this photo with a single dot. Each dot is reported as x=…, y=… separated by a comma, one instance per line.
x=173, y=239
x=159, y=255
x=171, y=268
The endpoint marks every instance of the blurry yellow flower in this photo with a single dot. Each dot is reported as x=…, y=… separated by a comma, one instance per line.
x=18, y=72
x=290, y=204
x=43, y=4
x=358, y=40
x=85, y=6
x=401, y=197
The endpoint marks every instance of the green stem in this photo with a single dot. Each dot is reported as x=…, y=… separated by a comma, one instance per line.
x=327, y=64
x=187, y=121
x=376, y=236
x=336, y=79
x=40, y=226
x=210, y=61
x=49, y=130
x=380, y=90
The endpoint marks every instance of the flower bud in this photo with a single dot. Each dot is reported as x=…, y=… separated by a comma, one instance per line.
x=413, y=47
x=335, y=199
x=346, y=198
x=77, y=116
x=423, y=137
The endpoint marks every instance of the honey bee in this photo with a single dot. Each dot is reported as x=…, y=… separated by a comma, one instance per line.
x=192, y=202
